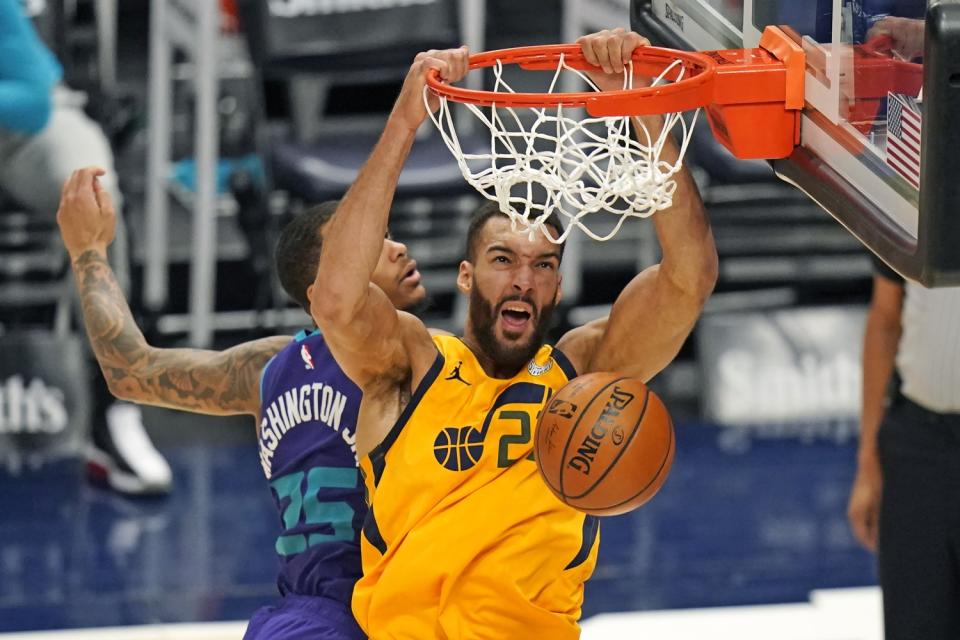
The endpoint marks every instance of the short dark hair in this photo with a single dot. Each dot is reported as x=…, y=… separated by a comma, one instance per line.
x=298, y=250
x=489, y=209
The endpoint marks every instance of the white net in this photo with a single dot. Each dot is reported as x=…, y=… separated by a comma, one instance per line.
x=564, y=163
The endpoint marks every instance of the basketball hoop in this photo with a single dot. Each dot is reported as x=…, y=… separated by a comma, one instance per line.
x=561, y=162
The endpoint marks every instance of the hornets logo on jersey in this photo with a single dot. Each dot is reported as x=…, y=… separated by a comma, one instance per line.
x=460, y=514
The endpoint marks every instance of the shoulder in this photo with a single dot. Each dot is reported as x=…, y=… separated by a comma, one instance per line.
x=277, y=346
x=414, y=334
x=266, y=351
x=580, y=344
x=447, y=343
x=563, y=361
x=410, y=357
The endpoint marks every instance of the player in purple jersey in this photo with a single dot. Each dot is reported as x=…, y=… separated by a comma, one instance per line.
x=306, y=408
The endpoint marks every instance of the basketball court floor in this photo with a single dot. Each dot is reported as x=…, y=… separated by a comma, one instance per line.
x=748, y=538
x=835, y=615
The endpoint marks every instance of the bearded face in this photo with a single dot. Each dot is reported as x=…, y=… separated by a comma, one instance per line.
x=510, y=332
x=513, y=282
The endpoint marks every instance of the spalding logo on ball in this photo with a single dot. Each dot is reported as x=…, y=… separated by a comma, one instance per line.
x=604, y=443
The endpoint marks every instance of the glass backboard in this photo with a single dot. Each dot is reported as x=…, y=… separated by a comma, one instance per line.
x=881, y=122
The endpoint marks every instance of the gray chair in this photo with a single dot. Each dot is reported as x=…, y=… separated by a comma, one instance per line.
x=308, y=63
x=367, y=52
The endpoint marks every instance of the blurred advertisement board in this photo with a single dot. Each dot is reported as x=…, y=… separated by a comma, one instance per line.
x=783, y=373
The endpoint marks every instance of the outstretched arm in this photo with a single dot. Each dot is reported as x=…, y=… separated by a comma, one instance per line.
x=213, y=382
x=656, y=311
x=366, y=334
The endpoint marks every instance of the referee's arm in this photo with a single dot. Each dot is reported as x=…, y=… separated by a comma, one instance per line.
x=880, y=341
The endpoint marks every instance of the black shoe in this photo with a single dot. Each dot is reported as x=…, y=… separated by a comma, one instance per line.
x=122, y=456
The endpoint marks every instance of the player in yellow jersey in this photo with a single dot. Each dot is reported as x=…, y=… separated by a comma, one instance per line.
x=464, y=540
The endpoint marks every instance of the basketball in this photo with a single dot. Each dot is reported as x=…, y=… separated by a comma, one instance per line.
x=604, y=444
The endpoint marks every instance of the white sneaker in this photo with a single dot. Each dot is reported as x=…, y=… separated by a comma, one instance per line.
x=123, y=456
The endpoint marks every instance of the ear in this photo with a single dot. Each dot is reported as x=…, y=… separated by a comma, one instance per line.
x=310, y=295
x=465, y=277
x=557, y=298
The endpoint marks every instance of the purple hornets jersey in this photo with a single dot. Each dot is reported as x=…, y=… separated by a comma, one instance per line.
x=308, y=422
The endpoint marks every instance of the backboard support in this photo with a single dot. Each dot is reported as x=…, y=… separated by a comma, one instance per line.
x=874, y=151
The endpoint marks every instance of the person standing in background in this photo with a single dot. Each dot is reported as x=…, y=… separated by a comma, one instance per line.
x=44, y=136
x=905, y=504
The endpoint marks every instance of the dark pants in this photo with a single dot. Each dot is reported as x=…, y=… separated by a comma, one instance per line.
x=920, y=523
x=304, y=618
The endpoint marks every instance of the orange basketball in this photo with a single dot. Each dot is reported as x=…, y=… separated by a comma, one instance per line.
x=604, y=443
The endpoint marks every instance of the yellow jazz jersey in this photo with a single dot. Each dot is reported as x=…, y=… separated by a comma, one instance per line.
x=464, y=539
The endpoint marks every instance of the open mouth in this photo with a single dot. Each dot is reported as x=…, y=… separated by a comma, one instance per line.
x=411, y=275
x=515, y=318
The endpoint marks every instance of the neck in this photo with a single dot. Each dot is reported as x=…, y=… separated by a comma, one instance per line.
x=487, y=362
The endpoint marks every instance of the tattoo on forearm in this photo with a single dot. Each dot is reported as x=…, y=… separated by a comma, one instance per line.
x=190, y=379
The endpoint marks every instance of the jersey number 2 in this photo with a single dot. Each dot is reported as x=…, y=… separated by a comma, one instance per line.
x=503, y=453
x=522, y=393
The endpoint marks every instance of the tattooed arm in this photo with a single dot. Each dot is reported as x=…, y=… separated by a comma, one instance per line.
x=213, y=382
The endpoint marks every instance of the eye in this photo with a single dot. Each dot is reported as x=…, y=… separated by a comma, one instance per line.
x=501, y=259
x=546, y=265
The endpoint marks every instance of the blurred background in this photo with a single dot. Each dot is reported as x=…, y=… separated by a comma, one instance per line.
x=225, y=120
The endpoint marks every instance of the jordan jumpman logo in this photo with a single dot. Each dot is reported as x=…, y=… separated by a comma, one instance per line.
x=455, y=374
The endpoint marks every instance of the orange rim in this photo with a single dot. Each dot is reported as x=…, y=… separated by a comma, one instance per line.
x=693, y=91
